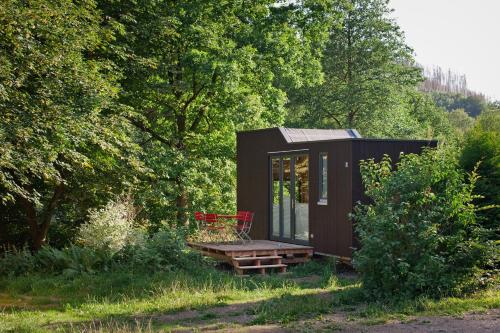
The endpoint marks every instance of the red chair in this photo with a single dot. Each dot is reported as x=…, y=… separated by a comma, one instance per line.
x=244, y=220
x=212, y=222
x=199, y=217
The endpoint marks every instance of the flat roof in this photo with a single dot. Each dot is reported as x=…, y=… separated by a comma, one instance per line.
x=337, y=135
x=295, y=135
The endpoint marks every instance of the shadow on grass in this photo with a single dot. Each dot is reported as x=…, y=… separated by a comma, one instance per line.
x=27, y=293
x=282, y=309
x=199, y=298
x=132, y=299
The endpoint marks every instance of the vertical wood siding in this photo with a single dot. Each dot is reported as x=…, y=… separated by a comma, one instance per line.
x=330, y=225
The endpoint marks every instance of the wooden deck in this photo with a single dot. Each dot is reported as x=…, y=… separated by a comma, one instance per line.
x=256, y=255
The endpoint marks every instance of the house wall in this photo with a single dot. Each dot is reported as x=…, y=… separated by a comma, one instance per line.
x=329, y=225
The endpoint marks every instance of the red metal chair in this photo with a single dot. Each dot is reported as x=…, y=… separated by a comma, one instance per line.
x=199, y=217
x=212, y=222
x=244, y=220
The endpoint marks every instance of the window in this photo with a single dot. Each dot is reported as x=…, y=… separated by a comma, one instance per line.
x=323, y=179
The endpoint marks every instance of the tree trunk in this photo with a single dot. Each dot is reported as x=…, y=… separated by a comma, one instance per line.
x=40, y=238
x=39, y=224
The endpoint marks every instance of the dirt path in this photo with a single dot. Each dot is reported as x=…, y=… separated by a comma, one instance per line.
x=238, y=318
x=467, y=323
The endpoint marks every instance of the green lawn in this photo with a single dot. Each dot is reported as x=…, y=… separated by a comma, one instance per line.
x=128, y=301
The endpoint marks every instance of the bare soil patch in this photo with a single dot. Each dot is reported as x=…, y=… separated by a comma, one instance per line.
x=468, y=323
x=238, y=318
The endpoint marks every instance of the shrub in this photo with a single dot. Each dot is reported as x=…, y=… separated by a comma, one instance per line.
x=165, y=250
x=419, y=235
x=482, y=145
x=71, y=261
x=16, y=262
x=109, y=228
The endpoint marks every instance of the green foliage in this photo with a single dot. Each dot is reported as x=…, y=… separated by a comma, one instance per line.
x=49, y=112
x=368, y=70
x=55, y=95
x=166, y=250
x=460, y=121
x=194, y=72
x=473, y=105
x=71, y=261
x=482, y=148
x=110, y=228
x=17, y=262
x=419, y=235
x=421, y=119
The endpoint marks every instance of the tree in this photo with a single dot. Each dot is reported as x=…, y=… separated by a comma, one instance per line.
x=461, y=121
x=55, y=129
x=473, y=104
x=367, y=69
x=196, y=71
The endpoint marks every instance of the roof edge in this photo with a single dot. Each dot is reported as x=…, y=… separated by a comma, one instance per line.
x=299, y=135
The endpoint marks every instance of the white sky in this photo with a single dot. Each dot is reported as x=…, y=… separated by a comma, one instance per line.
x=463, y=35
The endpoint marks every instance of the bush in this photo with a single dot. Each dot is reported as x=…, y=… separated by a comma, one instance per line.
x=16, y=262
x=71, y=261
x=419, y=235
x=110, y=228
x=109, y=240
x=165, y=250
x=482, y=145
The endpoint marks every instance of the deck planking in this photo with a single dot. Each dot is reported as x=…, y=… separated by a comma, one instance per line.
x=260, y=254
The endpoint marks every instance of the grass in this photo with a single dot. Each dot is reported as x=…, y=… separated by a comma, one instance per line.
x=128, y=301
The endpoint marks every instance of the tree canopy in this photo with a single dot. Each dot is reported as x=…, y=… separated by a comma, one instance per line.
x=143, y=98
x=368, y=68
x=55, y=97
x=196, y=71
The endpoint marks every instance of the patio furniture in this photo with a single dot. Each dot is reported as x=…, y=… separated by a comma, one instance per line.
x=212, y=222
x=199, y=217
x=244, y=220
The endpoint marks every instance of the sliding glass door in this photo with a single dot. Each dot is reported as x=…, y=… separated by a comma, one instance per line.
x=289, y=192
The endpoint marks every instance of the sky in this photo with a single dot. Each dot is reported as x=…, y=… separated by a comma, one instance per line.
x=461, y=35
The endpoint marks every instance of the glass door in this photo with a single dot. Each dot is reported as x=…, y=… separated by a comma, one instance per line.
x=289, y=191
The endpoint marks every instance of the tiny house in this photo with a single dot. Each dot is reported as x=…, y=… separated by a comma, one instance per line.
x=303, y=183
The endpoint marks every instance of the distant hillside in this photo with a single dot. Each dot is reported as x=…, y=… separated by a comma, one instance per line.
x=446, y=81
x=449, y=90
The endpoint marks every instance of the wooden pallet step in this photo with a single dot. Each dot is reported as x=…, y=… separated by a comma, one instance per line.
x=256, y=258
x=262, y=266
x=295, y=260
x=261, y=269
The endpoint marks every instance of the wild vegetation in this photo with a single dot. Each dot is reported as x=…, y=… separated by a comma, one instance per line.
x=420, y=235
x=118, y=122
x=131, y=301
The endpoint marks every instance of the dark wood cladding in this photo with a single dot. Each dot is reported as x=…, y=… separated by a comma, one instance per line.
x=331, y=230
x=376, y=149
